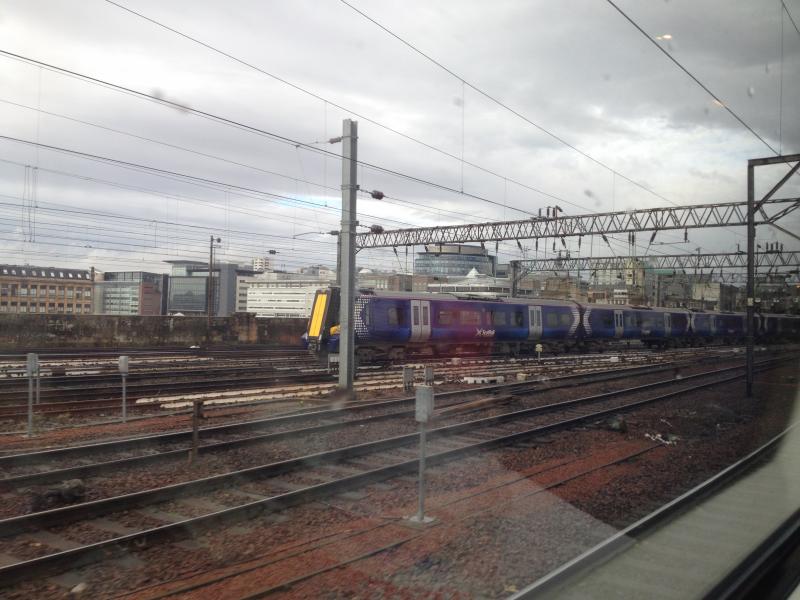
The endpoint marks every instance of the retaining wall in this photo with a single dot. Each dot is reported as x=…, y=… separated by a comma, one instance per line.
x=23, y=331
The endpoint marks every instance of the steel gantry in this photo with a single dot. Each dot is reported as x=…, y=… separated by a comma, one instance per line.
x=734, y=260
x=648, y=219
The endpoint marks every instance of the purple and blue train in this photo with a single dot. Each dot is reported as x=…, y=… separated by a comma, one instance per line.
x=396, y=325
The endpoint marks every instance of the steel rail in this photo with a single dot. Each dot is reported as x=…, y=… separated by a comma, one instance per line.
x=43, y=477
x=192, y=526
x=557, y=382
x=74, y=512
x=631, y=535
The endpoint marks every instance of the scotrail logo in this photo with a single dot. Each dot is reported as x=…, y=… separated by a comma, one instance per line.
x=484, y=332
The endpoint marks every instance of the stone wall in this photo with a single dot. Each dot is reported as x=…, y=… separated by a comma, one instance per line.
x=31, y=331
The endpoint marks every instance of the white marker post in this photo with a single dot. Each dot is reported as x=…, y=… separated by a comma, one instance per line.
x=123, y=369
x=539, y=353
x=423, y=413
x=32, y=365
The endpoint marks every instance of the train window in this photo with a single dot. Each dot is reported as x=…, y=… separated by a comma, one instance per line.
x=551, y=319
x=392, y=316
x=445, y=317
x=469, y=317
x=416, y=315
x=424, y=315
x=565, y=320
x=518, y=319
x=498, y=318
x=607, y=320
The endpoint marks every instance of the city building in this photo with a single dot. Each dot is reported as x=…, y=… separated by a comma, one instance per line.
x=130, y=293
x=188, y=287
x=713, y=295
x=477, y=284
x=282, y=294
x=376, y=280
x=261, y=264
x=454, y=260
x=46, y=290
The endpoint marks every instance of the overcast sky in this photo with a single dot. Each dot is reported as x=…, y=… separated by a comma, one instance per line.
x=576, y=68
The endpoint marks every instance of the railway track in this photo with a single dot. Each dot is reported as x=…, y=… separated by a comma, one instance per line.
x=164, y=394
x=296, y=480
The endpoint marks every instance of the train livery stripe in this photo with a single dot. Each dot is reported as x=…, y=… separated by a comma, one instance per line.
x=576, y=317
x=318, y=314
x=587, y=325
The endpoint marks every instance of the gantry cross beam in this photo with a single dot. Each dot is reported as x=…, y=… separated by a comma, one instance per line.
x=729, y=214
x=733, y=260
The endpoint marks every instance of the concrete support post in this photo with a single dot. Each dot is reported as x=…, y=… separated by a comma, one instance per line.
x=750, y=301
x=32, y=360
x=408, y=378
x=124, y=366
x=197, y=414
x=347, y=249
x=423, y=409
x=429, y=379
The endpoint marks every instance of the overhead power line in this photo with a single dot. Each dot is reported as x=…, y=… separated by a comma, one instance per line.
x=341, y=107
x=502, y=104
x=255, y=130
x=675, y=61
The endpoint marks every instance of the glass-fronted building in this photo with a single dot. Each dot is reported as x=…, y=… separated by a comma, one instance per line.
x=187, y=287
x=454, y=260
x=130, y=293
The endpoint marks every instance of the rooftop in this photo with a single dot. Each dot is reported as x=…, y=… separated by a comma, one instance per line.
x=45, y=272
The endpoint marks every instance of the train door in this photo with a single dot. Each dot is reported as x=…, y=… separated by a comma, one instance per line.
x=420, y=320
x=619, y=324
x=667, y=324
x=535, y=322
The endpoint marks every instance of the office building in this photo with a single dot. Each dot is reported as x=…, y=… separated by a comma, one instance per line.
x=130, y=293
x=45, y=290
x=454, y=260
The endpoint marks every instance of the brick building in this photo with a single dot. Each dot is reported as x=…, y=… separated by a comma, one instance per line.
x=27, y=289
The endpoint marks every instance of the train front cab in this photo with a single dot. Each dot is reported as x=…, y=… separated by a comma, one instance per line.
x=324, y=314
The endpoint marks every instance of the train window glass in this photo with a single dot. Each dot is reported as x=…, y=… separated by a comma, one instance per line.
x=416, y=315
x=445, y=317
x=424, y=315
x=518, y=318
x=607, y=320
x=537, y=315
x=499, y=318
x=551, y=319
x=469, y=317
x=391, y=316
x=565, y=320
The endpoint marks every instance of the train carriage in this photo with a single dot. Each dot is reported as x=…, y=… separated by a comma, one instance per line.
x=395, y=324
